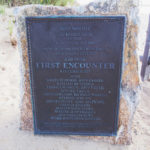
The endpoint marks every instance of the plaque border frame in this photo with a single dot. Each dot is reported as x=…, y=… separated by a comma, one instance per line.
x=36, y=130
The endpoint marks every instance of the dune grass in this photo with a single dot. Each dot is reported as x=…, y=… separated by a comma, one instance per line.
x=24, y=2
x=2, y=9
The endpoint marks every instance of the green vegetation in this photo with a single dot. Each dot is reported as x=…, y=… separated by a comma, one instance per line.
x=10, y=27
x=2, y=10
x=56, y=2
x=24, y=2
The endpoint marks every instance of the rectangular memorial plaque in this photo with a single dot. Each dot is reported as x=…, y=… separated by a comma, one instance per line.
x=75, y=73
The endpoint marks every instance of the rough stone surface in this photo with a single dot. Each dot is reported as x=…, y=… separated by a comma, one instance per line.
x=130, y=79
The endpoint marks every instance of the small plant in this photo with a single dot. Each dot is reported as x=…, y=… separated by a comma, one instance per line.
x=10, y=27
x=2, y=10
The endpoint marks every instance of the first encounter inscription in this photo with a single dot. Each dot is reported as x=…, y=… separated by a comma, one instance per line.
x=75, y=73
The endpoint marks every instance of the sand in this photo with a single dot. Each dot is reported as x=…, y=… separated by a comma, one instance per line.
x=12, y=138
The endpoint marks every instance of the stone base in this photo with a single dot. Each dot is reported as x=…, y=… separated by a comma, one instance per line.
x=130, y=79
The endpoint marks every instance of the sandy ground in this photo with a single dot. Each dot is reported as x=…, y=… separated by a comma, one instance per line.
x=11, y=138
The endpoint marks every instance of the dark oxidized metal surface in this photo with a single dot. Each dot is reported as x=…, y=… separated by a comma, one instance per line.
x=75, y=72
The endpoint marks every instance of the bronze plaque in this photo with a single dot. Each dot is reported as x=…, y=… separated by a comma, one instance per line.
x=75, y=73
